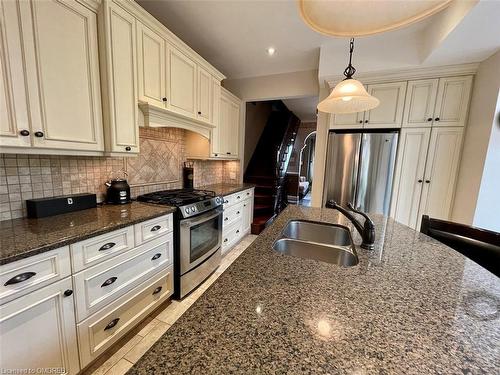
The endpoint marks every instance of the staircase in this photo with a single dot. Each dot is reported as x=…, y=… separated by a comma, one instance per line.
x=268, y=165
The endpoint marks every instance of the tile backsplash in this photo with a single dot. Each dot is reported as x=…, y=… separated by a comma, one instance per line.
x=158, y=167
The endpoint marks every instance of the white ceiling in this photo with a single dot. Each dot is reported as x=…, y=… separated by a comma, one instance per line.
x=304, y=108
x=234, y=35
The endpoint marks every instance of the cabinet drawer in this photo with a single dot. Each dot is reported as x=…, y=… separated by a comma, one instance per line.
x=98, y=332
x=231, y=235
x=26, y=275
x=97, y=249
x=99, y=285
x=231, y=199
x=153, y=228
x=232, y=214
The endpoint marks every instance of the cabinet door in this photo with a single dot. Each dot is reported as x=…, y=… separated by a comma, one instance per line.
x=247, y=214
x=182, y=85
x=389, y=114
x=452, y=101
x=205, y=96
x=441, y=172
x=233, y=128
x=214, y=134
x=120, y=89
x=13, y=109
x=347, y=121
x=221, y=146
x=409, y=177
x=38, y=331
x=62, y=70
x=151, y=69
x=419, y=104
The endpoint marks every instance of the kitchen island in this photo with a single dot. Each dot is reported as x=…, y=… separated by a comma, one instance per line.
x=411, y=306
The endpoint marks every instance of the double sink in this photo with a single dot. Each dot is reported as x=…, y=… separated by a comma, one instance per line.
x=331, y=243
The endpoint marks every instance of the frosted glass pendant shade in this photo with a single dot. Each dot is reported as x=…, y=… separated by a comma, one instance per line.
x=349, y=96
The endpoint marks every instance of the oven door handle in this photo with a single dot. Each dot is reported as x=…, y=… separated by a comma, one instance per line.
x=201, y=219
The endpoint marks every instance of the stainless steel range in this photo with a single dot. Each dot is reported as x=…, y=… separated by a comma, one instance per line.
x=198, y=234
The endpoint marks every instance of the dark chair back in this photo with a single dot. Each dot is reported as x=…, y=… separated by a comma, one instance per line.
x=480, y=245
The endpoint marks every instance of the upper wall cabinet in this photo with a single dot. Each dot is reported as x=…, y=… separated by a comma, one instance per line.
x=182, y=87
x=437, y=102
x=61, y=72
x=205, y=96
x=225, y=137
x=119, y=79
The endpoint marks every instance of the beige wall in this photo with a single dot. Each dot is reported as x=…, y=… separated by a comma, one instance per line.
x=477, y=139
x=256, y=116
x=277, y=86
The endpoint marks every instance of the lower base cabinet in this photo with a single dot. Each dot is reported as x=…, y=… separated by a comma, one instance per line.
x=237, y=218
x=38, y=331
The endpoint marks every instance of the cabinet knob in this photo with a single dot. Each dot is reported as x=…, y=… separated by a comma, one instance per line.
x=429, y=119
x=39, y=134
x=419, y=181
x=24, y=133
x=216, y=154
x=225, y=239
x=226, y=219
x=128, y=148
x=436, y=119
x=238, y=231
x=228, y=153
x=360, y=121
x=237, y=213
x=199, y=112
x=427, y=181
x=68, y=292
x=366, y=121
x=164, y=99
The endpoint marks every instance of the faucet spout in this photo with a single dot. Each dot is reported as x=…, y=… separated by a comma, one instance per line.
x=366, y=230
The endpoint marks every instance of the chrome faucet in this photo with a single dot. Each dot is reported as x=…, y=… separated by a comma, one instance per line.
x=367, y=230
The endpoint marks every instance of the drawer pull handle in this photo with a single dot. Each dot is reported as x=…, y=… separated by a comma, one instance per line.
x=68, y=292
x=107, y=246
x=157, y=290
x=155, y=228
x=111, y=324
x=156, y=256
x=20, y=278
x=109, y=281
x=226, y=219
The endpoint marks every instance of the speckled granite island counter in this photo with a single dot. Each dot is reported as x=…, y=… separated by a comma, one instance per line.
x=21, y=238
x=226, y=189
x=411, y=306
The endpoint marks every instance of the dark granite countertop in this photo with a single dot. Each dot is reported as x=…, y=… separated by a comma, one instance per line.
x=226, y=189
x=21, y=238
x=411, y=306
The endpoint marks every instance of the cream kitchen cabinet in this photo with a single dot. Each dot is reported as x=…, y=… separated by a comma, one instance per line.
x=118, y=45
x=388, y=114
x=237, y=217
x=38, y=331
x=182, y=85
x=225, y=137
x=437, y=102
x=60, y=67
x=205, y=96
x=426, y=172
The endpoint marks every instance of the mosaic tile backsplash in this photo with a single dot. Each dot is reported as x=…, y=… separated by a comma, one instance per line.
x=158, y=167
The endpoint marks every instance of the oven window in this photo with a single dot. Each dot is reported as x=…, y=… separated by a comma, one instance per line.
x=204, y=237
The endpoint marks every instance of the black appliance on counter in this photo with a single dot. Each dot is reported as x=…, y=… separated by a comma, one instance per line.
x=188, y=175
x=118, y=191
x=43, y=207
x=197, y=234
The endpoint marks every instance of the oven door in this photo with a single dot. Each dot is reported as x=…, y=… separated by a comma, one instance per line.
x=200, y=237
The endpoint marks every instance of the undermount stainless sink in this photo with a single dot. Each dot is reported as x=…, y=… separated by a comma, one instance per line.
x=329, y=243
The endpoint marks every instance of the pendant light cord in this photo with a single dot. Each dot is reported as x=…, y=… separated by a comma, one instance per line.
x=350, y=70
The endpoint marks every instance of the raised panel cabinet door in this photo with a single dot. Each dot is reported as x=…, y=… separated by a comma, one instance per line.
x=452, y=101
x=38, y=331
x=151, y=68
x=62, y=70
x=205, y=96
x=223, y=130
x=14, y=122
x=389, y=113
x=182, y=85
x=247, y=214
x=214, y=134
x=234, y=128
x=420, y=102
x=120, y=88
x=441, y=172
x=408, y=181
x=347, y=121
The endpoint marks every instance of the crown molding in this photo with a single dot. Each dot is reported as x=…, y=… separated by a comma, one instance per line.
x=156, y=117
x=408, y=74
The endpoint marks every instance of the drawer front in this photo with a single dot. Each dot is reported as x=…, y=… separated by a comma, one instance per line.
x=147, y=230
x=246, y=194
x=235, y=198
x=97, y=249
x=98, y=332
x=99, y=285
x=231, y=235
x=232, y=214
x=26, y=275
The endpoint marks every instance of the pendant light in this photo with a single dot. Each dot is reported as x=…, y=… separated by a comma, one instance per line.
x=348, y=96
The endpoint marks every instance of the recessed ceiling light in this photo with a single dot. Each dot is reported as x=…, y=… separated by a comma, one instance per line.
x=271, y=51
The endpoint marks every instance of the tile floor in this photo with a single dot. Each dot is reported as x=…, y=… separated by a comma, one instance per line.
x=119, y=358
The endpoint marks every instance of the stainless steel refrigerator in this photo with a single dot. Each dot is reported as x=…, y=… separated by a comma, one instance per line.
x=360, y=169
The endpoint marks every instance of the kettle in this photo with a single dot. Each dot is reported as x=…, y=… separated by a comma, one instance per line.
x=118, y=191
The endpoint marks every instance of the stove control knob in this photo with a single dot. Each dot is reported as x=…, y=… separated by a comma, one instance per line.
x=187, y=210
x=217, y=200
x=193, y=209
